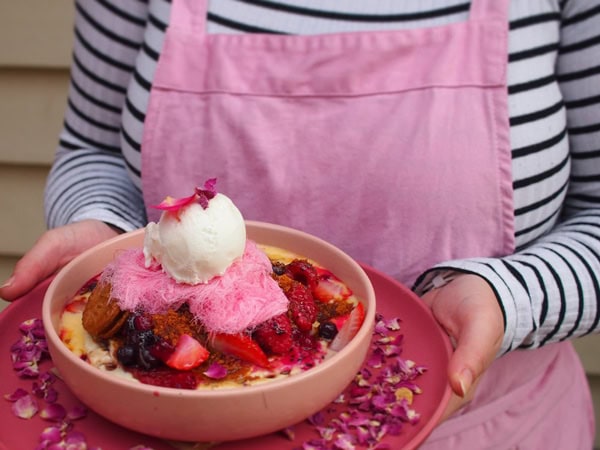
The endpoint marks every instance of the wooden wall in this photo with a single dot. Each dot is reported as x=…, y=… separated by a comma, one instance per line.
x=35, y=42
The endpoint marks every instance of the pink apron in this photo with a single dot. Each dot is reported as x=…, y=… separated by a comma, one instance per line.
x=360, y=138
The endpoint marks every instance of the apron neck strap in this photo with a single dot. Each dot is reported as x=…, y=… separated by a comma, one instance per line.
x=189, y=14
x=489, y=9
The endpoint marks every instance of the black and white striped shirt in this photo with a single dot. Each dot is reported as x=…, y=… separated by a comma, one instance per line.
x=549, y=289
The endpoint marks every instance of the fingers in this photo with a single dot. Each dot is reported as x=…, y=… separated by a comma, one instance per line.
x=52, y=251
x=35, y=266
x=468, y=310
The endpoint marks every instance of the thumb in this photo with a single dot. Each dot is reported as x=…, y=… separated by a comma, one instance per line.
x=468, y=310
x=478, y=340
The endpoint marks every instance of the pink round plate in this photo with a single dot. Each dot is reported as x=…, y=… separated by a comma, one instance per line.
x=424, y=343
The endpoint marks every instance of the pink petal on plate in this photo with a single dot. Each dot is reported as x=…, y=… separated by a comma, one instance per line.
x=51, y=434
x=26, y=407
x=345, y=442
x=16, y=395
x=289, y=433
x=51, y=395
x=26, y=369
x=54, y=412
x=47, y=378
x=77, y=412
x=393, y=324
x=29, y=325
x=27, y=352
x=75, y=440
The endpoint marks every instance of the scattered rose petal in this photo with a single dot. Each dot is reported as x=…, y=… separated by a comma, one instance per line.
x=50, y=435
x=216, y=371
x=289, y=433
x=25, y=407
x=74, y=440
x=54, y=412
x=77, y=412
x=16, y=395
x=378, y=401
x=26, y=354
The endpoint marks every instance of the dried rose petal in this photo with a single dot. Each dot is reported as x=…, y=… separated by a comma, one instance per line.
x=77, y=412
x=377, y=403
x=216, y=371
x=25, y=407
x=209, y=191
x=175, y=204
x=344, y=442
x=315, y=444
x=16, y=395
x=51, y=395
x=51, y=435
x=31, y=325
x=27, y=369
x=289, y=433
x=74, y=440
x=201, y=195
x=53, y=412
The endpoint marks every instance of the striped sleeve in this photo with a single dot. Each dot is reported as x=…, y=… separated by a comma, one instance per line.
x=549, y=289
x=90, y=178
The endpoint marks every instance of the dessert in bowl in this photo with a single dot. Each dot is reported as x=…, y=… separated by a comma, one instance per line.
x=257, y=398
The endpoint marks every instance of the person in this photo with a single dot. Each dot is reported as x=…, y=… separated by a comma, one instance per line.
x=452, y=144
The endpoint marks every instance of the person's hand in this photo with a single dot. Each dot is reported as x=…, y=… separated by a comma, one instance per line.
x=52, y=251
x=468, y=310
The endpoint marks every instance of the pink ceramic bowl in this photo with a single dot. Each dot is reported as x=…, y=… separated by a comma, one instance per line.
x=202, y=415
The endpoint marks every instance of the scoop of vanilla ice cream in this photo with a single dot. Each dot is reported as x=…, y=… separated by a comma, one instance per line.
x=195, y=244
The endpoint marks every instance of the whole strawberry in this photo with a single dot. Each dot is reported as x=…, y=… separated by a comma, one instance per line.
x=275, y=335
x=302, y=307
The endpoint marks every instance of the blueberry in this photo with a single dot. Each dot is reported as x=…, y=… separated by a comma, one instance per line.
x=144, y=339
x=145, y=359
x=127, y=355
x=328, y=330
x=278, y=268
x=129, y=324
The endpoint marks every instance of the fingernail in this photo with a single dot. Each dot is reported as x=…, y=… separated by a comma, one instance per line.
x=7, y=283
x=465, y=379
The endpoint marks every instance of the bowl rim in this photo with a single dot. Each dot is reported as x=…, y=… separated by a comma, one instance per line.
x=365, y=332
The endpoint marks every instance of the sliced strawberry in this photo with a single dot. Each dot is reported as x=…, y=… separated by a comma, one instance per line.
x=349, y=328
x=241, y=346
x=188, y=353
x=329, y=287
x=76, y=306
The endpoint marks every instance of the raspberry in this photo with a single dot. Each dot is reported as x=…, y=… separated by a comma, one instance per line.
x=275, y=335
x=302, y=306
x=304, y=272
